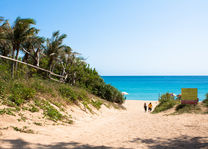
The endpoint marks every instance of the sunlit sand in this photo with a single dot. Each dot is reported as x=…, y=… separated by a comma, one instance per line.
x=113, y=128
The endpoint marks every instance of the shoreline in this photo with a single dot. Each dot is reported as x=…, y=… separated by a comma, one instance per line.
x=140, y=100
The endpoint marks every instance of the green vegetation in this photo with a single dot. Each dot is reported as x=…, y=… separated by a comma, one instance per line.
x=36, y=123
x=97, y=104
x=22, y=117
x=166, y=101
x=47, y=77
x=67, y=93
x=9, y=111
x=33, y=108
x=205, y=101
x=49, y=110
x=24, y=129
x=20, y=93
x=187, y=108
x=50, y=59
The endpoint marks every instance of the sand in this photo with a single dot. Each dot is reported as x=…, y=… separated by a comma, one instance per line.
x=113, y=128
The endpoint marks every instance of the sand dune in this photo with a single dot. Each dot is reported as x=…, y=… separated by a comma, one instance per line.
x=112, y=128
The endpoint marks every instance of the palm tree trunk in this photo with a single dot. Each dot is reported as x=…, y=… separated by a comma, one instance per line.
x=16, y=64
x=37, y=57
x=12, y=66
x=74, y=78
x=50, y=63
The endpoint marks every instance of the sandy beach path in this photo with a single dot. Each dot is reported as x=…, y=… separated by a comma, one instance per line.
x=112, y=128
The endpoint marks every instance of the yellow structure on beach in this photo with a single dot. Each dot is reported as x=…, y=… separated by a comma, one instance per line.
x=189, y=95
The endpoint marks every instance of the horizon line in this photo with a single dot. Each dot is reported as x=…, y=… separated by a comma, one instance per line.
x=150, y=75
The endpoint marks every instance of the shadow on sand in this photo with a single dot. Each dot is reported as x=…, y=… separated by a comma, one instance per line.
x=183, y=142
x=21, y=144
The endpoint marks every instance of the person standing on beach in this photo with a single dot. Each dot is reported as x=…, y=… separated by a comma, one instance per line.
x=150, y=107
x=145, y=107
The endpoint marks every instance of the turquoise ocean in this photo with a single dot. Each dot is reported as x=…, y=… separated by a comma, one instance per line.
x=151, y=87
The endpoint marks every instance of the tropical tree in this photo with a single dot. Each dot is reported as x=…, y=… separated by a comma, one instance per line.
x=54, y=47
x=17, y=35
x=5, y=47
x=33, y=48
x=52, y=55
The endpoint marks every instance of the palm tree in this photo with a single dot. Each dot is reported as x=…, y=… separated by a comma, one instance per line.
x=5, y=47
x=1, y=18
x=33, y=47
x=18, y=34
x=54, y=47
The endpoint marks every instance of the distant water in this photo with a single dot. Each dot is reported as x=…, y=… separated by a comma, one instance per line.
x=151, y=87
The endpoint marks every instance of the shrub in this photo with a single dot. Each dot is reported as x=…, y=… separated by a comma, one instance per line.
x=85, y=103
x=166, y=101
x=68, y=92
x=24, y=129
x=97, y=104
x=40, y=86
x=82, y=94
x=36, y=123
x=107, y=92
x=49, y=110
x=9, y=103
x=20, y=93
x=205, y=101
x=22, y=117
x=2, y=89
x=89, y=79
x=166, y=98
x=4, y=69
x=33, y=109
x=53, y=113
x=8, y=111
x=187, y=108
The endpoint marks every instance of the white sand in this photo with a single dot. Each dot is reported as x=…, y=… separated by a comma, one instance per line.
x=130, y=128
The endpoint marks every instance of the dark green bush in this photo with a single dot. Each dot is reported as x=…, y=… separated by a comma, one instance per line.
x=205, y=101
x=107, y=92
x=166, y=101
x=89, y=79
x=187, y=108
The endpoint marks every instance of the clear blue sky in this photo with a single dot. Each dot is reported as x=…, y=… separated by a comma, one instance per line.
x=126, y=37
